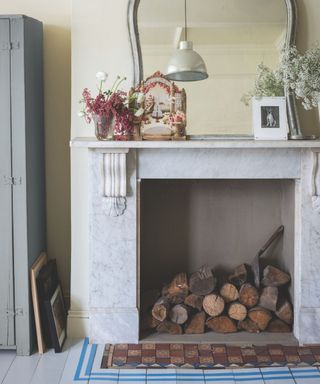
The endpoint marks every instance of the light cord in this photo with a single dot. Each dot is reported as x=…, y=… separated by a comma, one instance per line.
x=185, y=21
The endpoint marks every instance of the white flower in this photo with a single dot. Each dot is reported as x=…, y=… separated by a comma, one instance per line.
x=81, y=114
x=141, y=97
x=101, y=76
x=139, y=112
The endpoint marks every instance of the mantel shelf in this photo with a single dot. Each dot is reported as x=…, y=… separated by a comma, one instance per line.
x=93, y=143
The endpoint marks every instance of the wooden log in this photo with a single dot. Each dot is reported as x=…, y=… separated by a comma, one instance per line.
x=202, y=282
x=213, y=304
x=248, y=295
x=177, y=290
x=160, y=309
x=239, y=275
x=194, y=301
x=197, y=324
x=269, y=298
x=178, y=314
x=249, y=326
x=221, y=324
x=237, y=311
x=278, y=325
x=148, y=322
x=274, y=277
x=285, y=312
x=148, y=298
x=229, y=292
x=260, y=316
x=170, y=327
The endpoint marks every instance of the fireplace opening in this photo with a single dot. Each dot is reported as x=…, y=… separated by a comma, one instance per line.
x=218, y=225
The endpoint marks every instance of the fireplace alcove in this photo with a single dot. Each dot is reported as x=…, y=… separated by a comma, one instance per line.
x=185, y=224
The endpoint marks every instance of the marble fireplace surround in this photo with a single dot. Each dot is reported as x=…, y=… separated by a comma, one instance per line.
x=115, y=169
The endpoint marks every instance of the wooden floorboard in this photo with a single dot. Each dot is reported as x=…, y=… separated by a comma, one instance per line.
x=6, y=359
x=51, y=366
x=22, y=369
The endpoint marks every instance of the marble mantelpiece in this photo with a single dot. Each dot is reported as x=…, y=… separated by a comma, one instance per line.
x=114, y=246
x=90, y=142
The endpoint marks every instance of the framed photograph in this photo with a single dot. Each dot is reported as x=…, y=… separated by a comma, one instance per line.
x=270, y=118
x=57, y=317
x=34, y=272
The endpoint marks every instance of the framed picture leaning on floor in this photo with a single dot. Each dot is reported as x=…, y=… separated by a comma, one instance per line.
x=270, y=118
x=57, y=317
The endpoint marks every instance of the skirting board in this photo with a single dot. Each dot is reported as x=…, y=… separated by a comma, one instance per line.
x=78, y=324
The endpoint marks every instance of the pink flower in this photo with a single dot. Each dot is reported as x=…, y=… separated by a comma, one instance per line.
x=112, y=104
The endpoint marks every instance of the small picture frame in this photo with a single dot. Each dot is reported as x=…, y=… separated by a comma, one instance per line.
x=57, y=317
x=47, y=281
x=270, y=118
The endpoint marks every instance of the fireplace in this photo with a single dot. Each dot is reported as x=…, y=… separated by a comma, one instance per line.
x=226, y=197
x=219, y=223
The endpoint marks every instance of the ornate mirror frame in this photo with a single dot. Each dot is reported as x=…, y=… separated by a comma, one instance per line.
x=292, y=23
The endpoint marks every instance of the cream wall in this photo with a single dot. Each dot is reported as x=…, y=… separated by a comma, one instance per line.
x=57, y=89
x=100, y=42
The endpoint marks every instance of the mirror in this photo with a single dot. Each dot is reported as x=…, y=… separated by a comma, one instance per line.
x=232, y=36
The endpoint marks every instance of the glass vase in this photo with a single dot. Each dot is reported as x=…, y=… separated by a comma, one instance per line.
x=103, y=127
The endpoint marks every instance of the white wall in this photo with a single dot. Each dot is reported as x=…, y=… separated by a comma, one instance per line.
x=100, y=42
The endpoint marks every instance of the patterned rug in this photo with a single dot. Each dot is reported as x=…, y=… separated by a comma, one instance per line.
x=207, y=356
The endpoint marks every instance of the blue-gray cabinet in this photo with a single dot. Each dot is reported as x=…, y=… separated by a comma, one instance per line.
x=22, y=176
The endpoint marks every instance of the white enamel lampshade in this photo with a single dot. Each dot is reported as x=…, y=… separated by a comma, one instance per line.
x=186, y=64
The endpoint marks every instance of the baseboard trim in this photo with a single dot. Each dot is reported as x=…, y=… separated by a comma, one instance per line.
x=78, y=324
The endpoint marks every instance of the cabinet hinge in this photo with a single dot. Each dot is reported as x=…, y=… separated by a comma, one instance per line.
x=9, y=180
x=8, y=46
x=15, y=45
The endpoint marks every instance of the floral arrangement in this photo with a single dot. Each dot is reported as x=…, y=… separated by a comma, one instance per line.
x=267, y=83
x=298, y=73
x=111, y=108
x=301, y=75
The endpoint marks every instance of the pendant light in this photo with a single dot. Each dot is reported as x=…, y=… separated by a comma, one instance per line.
x=186, y=64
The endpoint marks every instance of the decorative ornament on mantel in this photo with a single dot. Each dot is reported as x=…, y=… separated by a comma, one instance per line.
x=164, y=109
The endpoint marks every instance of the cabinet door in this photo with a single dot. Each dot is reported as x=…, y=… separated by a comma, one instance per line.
x=6, y=252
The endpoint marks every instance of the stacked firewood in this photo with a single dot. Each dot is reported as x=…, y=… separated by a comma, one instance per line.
x=199, y=303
